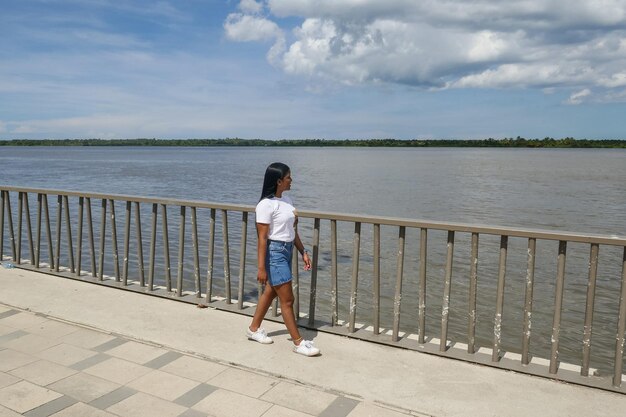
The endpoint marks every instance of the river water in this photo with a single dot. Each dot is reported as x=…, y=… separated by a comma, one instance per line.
x=571, y=190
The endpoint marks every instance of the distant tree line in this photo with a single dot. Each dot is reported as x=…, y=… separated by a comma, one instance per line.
x=517, y=142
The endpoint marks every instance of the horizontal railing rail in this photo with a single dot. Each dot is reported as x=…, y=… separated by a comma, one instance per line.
x=405, y=259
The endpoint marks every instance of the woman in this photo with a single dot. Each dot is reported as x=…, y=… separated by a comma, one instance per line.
x=276, y=222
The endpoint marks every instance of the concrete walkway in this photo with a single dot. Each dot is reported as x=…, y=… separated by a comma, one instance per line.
x=70, y=348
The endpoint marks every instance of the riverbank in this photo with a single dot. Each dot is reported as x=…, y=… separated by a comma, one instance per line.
x=518, y=142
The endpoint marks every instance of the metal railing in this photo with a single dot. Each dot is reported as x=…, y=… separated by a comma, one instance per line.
x=337, y=252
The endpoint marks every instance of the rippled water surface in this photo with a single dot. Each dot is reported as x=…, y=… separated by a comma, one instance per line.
x=557, y=189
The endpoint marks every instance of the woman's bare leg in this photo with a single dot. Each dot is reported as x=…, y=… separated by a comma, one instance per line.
x=285, y=295
x=261, y=309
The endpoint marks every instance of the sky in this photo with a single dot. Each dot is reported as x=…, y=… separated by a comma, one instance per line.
x=327, y=69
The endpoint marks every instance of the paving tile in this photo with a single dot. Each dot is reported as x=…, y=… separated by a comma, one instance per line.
x=65, y=354
x=91, y=361
x=196, y=395
x=5, y=412
x=110, y=344
x=118, y=370
x=84, y=387
x=136, y=352
x=163, y=385
x=194, y=368
x=341, y=407
x=193, y=413
x=224, y=403
x=51, y=407
x=5, y=329
x=82, y=410
x=10, y=359
x=112, y=397
x=7, y=379
x=24, y=396
x=371, y=410
x=299, y=397
x=42, y=372
x=144, y=405
x=12, y=335
x=52, y=328
x=30, y=343
x=243, y=382
x=163, y=360
x=280, y=411
x=7, y=312
x=23, y=320
x=87, y=339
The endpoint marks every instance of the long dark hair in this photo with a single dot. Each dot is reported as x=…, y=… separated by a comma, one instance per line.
x=273, y=173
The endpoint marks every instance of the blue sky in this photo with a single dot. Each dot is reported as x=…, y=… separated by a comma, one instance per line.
x=312, y=69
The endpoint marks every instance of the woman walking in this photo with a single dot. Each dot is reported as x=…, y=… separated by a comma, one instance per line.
x=276, y=222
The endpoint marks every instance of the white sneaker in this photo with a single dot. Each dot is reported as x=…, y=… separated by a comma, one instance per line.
x=259, y=336
x=306, y=348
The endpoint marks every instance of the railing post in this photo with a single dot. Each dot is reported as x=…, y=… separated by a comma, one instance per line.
x=68, y=226
x=333, y=274
x=142, y=279
x=153, y=231
x=103, y=220
x=166, y=249
x=296, y=284
x=57, y=260
x=92, y=250
x=591, y=292
x=116, y=262
x=242, y=258
x=621, y=328
x=316, y=244
x=356, y=249
x=196, y=255
x=2, y=224
x=226, y=252
x=558, y=304
x=398, y=294
x=528, y=300
x=497, y=322
x=79, y=236
x=39, y=211
x=447, y=285
x=7, y=201
x=181, y=252
x=471, y=330
x=376, y=277
x=421, y=312
x=29, y=228
x=48, y=231
x=209, y=274
x=126, y=243
x=20, y=197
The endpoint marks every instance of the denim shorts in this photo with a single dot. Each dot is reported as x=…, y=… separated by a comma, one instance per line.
x=278, y=262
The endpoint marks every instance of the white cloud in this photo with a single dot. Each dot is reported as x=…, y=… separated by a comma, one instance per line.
x=244, y=28
x=579, y=97
x=3, y=127
x=615, y=80
x=250, y=6
x=447, y=43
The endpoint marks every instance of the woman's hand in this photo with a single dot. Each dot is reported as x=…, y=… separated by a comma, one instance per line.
x=307, y=261
x=261, y=276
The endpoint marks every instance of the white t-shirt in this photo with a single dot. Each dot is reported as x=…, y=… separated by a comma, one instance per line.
x=280, y=214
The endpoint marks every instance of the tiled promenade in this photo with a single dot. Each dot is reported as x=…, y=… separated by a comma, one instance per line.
x=52, y=368
x=70, y=348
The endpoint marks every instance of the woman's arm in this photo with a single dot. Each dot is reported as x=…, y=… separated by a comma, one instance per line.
x=263, y=231
x=305, y=255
